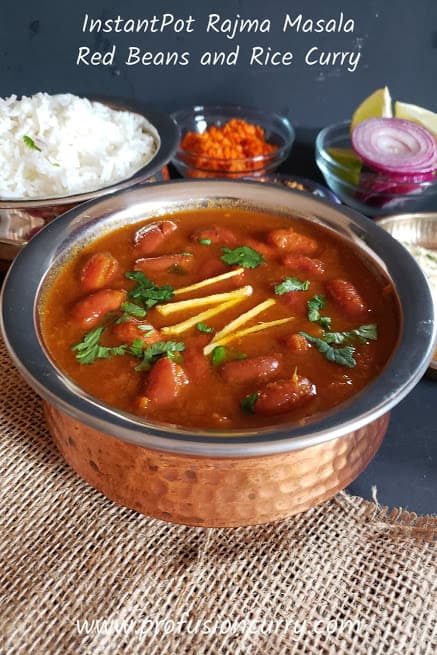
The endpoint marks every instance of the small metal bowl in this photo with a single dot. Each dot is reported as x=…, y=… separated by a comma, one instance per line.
x=419, y=229
x=21, y=219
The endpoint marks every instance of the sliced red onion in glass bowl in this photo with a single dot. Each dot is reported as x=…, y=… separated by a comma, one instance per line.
x=396, y=147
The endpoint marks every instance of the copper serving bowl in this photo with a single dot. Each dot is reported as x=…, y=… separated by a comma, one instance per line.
x=205, y=477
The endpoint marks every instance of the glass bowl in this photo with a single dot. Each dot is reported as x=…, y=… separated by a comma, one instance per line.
x=278, y=131
x=359, y=187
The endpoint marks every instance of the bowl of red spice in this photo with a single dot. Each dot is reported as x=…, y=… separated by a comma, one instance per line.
x=231, y=141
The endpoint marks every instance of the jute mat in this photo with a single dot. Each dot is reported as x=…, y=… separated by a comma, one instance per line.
x=80, y=575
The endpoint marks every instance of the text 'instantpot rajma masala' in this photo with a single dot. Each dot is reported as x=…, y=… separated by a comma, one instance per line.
x=221, y=319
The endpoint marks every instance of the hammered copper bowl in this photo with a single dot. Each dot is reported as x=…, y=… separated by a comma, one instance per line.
x=200, y=477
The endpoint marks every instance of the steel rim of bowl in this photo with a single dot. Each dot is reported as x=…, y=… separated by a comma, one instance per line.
x=280, y=154
x=326, y=164
x=316, y=189
x=403, y=370
x=169, y=135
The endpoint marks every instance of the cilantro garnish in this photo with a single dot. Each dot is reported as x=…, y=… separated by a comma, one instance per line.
x=315, y=304
x=146, y=291
x=242, y=256
x=291, y=284
x=218, y=355
x=90, y=348
x=136, y=348
x=248, y=403
x=130, y=309
x=148, y=329
x=342, y=356
x=221, y=354
x=157, y=350
x=362, y=334
x=203, y=327
x=30, y=143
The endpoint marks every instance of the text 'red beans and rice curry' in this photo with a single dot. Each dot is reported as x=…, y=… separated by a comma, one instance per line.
x=221, y=318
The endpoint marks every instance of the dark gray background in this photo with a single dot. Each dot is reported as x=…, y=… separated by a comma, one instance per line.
x=398, y=40
x=39, y=42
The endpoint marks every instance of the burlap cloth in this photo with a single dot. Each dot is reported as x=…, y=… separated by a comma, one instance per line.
x=81, y=575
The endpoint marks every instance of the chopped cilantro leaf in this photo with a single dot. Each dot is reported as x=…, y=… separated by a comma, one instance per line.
x=362, y=334
x=342, y=356
x=90, y=348
x=221, y=354
x=218, y=356
x=242, y=256
x=130, y=309
x=291, y=284
x=146, y=291
x=30, y=143
x=203, y=327
x=248, y=403
x=136, y=348
x=315, y=304
x=133, y=309
x=148, y=329
x=175, y=356
x=157, y=350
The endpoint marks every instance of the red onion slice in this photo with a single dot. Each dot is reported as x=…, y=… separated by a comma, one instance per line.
x=394, y=145
x=382, y=191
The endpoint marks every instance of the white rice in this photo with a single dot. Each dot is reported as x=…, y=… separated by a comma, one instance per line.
x=84, y=145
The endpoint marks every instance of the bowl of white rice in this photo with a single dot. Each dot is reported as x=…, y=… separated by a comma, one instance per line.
x=60, y=150
x=418, y=234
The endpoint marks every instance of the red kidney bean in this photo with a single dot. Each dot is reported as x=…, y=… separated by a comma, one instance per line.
x=297, y=343
x=211, y=268
x=150, y=237
x=91, y=309
x=196, y=365
x=253, y=369
x=284, y=395
x=263, y=248
x=215, y=234
x=296, y=301
x=290, y=241
x=304, y=264
x=164, y=382
x=150, y=265
x=346, y=297
x=98, y=271
x=130, y=330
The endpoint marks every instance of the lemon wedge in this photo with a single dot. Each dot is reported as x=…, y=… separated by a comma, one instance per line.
x=377, y=105
x=424, y=117
x=349, y=164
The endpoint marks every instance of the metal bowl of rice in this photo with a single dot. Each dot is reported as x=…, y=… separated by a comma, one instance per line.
x=418, y=234
x=59, y=151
